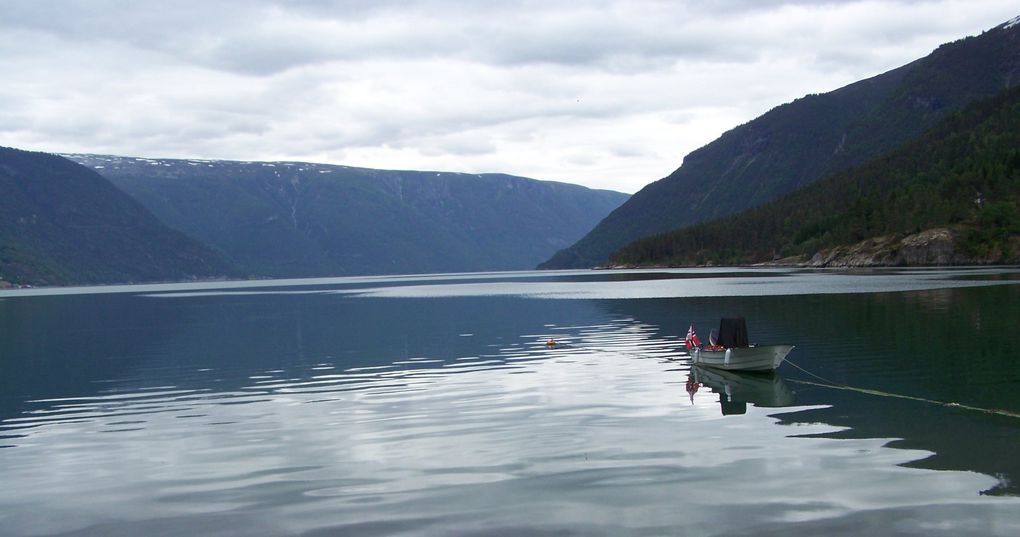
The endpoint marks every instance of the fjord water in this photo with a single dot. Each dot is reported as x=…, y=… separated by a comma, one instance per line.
x=434, y=406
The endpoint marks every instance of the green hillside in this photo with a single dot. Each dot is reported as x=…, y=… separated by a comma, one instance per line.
x=963, y=175
x=801, y=142
x=61, y=223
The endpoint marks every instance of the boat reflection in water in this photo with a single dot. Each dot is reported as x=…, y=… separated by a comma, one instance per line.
x=737, y=388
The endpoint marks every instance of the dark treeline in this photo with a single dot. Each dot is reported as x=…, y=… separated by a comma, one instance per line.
x=963, y=174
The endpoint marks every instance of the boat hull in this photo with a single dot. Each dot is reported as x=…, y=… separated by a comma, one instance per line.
x=758, y=358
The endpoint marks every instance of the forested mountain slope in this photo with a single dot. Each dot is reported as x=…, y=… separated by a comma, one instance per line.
x=950, y=197
x=801, y=142
x=62, y=223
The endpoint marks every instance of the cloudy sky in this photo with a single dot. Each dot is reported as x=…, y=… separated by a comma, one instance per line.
x=605, y=93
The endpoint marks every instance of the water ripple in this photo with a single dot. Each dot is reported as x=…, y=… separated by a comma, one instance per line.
x=594, y=432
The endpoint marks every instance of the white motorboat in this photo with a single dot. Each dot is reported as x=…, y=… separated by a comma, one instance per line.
x=728, y=349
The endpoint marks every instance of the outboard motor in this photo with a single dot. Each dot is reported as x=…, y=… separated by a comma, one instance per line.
x=733, y=332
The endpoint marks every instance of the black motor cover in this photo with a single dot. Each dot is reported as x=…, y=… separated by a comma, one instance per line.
x=733, y=332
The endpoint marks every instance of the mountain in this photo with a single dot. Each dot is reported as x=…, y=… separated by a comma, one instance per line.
x=801, y=142
x=950, y=197
x=292, y=219
x=62, y=223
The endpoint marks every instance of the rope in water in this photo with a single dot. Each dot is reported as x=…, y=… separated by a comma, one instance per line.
x=826, y=383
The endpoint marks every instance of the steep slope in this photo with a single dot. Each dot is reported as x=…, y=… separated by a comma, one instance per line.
x=798, y=143
x=61, y=223
x=952, y=196
x=290, y=219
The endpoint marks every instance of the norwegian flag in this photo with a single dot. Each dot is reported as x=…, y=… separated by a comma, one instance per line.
x=692, y=338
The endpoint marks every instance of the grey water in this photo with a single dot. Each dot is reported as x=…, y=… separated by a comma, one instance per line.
x=434, y=405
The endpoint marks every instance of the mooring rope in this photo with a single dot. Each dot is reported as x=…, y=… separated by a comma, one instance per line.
x=826, y=383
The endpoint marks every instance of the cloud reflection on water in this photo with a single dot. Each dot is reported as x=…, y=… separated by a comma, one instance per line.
x=319, y=408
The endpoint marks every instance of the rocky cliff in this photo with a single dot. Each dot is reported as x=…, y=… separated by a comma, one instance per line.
x=932, y=247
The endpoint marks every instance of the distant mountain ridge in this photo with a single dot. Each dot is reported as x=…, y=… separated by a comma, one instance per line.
x=294, y=219
x=810, y=138
x=61, y=223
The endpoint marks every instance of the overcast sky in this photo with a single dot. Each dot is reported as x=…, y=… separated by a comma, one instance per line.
x=605, y=93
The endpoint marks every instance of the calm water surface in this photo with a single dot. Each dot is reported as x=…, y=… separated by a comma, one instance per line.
x=433, y=406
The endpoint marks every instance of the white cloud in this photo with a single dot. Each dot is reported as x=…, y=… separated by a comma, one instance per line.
x=606, y=93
